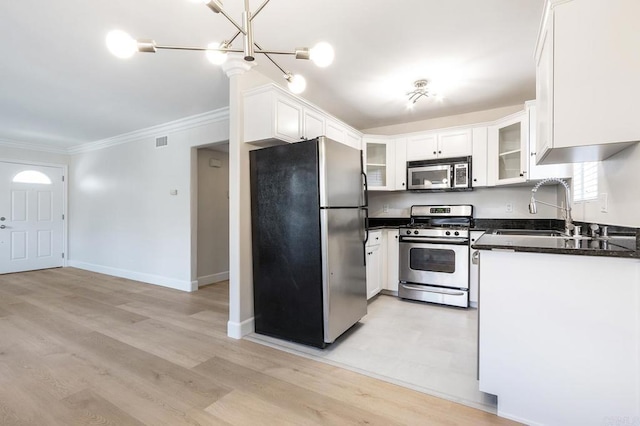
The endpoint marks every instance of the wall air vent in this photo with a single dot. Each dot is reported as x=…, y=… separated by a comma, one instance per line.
x=162, y=141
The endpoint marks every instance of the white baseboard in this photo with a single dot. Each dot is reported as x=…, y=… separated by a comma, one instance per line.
x=213, y=278
x=137, y=276
x=237, y=330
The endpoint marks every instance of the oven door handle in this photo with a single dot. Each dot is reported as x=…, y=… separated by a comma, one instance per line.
x=431, y=290
x=454, y=240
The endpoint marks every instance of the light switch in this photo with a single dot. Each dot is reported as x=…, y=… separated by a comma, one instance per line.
x=173, y=192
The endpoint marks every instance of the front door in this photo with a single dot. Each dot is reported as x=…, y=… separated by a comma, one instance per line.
x=31, y=217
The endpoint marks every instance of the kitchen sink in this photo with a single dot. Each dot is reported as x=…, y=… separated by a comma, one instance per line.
x=530, y=232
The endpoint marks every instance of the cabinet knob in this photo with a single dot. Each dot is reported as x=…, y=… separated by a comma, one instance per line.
x=439, y=152
x=301, y=137
x=521, y=174
x=434, y=153
x=533, y=154
x=402, y=183
x=475, y=180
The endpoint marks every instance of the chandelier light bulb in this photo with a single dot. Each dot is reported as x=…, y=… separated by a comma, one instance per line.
x=322, y=54
x=297, y=83
x=216, y=57
x=121, y=44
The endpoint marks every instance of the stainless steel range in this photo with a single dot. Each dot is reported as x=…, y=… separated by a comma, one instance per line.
x=434, y=255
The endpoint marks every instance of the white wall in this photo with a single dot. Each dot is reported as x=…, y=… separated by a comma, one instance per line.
x=213, y=217
x=450, y=121
x=487, y=202
x=123, y=220
x=619, y=178
x=240, y=255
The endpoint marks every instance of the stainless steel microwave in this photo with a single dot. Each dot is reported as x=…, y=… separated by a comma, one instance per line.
x=442, y=174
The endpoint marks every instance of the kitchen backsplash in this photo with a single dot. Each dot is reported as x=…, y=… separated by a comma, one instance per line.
x=497, y=202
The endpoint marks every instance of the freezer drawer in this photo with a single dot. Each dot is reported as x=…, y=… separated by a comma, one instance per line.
x=444, y=296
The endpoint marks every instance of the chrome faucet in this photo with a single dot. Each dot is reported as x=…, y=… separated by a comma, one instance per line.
x=533, y=209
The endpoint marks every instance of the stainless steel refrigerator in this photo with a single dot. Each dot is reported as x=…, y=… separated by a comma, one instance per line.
x=308, y=212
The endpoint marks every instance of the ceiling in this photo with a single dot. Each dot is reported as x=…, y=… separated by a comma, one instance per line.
x=61, y=87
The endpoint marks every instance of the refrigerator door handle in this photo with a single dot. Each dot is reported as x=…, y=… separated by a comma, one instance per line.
x=366, y=234
x=366, y=225
x=366, y=190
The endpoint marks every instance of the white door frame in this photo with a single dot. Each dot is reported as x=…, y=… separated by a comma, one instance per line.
x=65, y=183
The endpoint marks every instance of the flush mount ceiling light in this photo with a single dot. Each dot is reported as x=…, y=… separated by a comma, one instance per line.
x=123, y=45
x=421, y=88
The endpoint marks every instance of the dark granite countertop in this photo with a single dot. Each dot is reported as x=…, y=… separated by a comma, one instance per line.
x=622, y=241
x=478, y=224
x=614, y=246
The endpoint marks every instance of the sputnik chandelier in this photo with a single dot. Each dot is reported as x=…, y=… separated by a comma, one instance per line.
x=123, y=45
x=421, y=88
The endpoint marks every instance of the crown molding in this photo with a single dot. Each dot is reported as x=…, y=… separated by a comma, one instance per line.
x=32, y=146
x=186, y=123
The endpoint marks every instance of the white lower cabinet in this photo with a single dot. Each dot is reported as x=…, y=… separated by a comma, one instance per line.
x=392, y=254
x=474, y=270
x=374, y=263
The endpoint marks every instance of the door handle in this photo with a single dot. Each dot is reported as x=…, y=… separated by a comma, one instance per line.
x=3, y=226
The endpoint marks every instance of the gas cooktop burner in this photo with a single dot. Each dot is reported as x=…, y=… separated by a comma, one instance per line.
x=440, y=217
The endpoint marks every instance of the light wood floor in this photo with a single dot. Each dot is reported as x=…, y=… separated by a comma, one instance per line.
x=80, y=348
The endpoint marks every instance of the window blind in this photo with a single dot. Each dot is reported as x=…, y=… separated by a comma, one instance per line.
x=585, y=181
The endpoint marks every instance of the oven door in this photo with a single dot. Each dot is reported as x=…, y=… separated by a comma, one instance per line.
x=430, y=177
x=437, y=262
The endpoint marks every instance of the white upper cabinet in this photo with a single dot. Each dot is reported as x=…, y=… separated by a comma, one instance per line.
x=447, y=144
x=312, y=124
x=340, y=132
x=454, y=143
x=385, y=163
x=537, y=171
x=271, y=114
x=507, y=159
x=479, y=156
x=587, y=84
x=401, y=164
x=379, y=163
x=422, y=147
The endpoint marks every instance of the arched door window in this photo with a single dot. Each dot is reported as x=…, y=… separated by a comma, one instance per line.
x=32, y=176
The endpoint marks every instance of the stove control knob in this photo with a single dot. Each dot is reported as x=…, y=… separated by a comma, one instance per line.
x=447, y=233
x=416, y=232
x=408, y=232
x=456, y=233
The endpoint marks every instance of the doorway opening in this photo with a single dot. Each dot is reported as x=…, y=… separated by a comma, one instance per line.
x=212, y=236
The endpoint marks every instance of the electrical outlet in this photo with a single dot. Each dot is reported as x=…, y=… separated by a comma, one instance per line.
x=385, y=208
x=604, y=203
x=509, y=208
